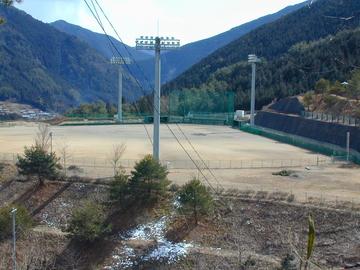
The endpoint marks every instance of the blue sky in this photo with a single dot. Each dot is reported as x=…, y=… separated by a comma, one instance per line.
x=189, y=20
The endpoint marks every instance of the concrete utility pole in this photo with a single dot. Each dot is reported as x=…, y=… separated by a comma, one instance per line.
x=253, y=60
x=348, y=146
x=13, y=214
x=120, y=61
x=157, y=44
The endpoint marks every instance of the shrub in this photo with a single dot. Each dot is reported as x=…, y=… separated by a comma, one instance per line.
x=88, y=222
x=149, y=180
x=119, y=188
x=23, y=220
x=174, y=188
x=322, y=86
x=308, y=99
x=290, y=198
x=283, y=173
x=195, y=199
x=38, y=162
x=330, y=101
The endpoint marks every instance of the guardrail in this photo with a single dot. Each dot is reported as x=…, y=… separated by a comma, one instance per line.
x=332, y=118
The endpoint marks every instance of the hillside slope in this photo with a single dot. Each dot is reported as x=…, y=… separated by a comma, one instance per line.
x=99, y=41
x=49, y=69
x=227, y=68
x=176, y=62
x=173, y=62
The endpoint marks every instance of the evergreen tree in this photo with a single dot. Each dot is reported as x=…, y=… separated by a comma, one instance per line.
x=322, y=86
x=38, y=162
x=23, y=220
x=149, y=179
x=195, y=199
x=119, y=188
x=88, y=222
x=354, y=85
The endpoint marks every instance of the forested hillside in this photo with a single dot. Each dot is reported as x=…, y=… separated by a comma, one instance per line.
x=176, y=62
x=49, y=69
x=291, y=63
x=99, y=41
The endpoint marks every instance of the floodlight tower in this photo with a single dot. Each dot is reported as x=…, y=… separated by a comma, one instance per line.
x=253, y=59
x=120, y=61
x=157, y=44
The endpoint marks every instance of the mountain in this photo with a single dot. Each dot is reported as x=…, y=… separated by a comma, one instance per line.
x=99, y=41
x=49, y=69
x=173, y=62
x=176, y=62
x=227, y=68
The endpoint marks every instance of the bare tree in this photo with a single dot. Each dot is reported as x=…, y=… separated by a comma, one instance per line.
x=65, y=155
x=43, y=137
x=116, y=155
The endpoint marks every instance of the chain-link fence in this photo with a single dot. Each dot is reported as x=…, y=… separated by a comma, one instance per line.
x=97, y=167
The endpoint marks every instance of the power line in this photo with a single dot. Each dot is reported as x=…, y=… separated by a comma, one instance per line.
x=175, y=136
x=127, y=50
x=198, y=154
x=141, y=87
x=112, y=43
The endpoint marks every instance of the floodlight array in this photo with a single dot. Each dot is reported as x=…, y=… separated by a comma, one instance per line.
x=253, y=58
x=120, y=60
x=149, y=43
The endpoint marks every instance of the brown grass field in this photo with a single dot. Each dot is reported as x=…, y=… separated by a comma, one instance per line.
x=238, y=160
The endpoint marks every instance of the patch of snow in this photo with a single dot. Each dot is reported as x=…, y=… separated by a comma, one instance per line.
x=164, y=252
x=168, y=252
x=125, y=258
x=149, y=231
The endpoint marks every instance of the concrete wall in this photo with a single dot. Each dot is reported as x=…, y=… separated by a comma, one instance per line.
x=317, y=130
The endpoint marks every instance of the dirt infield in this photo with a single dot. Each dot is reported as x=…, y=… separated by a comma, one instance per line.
x=222, y=147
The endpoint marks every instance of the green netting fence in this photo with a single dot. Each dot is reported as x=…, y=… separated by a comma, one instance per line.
x=309, y=144
x=208, y=107
x=201, y=106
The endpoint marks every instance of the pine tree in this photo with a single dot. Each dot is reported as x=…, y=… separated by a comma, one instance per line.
x=38, y=162
x=149, y=179
x=195, y=199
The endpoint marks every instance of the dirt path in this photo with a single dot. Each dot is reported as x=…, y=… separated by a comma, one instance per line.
x=229, y=253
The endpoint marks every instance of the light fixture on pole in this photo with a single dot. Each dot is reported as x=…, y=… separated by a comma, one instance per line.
x=157, y=44
x=120, y=61
x=13, y=215
x=253, y=59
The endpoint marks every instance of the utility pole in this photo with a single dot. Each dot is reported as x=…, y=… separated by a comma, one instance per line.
x=13, y=214
x=253, y=60
x=158, y=44
x=120, y=61
x=348, y=146
x=51, y=141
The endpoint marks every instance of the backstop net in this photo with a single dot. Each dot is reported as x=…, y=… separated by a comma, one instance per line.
x=201, y=106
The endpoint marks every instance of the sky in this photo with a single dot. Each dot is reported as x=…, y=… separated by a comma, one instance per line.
x=188, y=20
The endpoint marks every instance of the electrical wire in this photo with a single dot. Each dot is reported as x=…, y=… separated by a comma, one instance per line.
x=141, y=87
x=112, y=43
